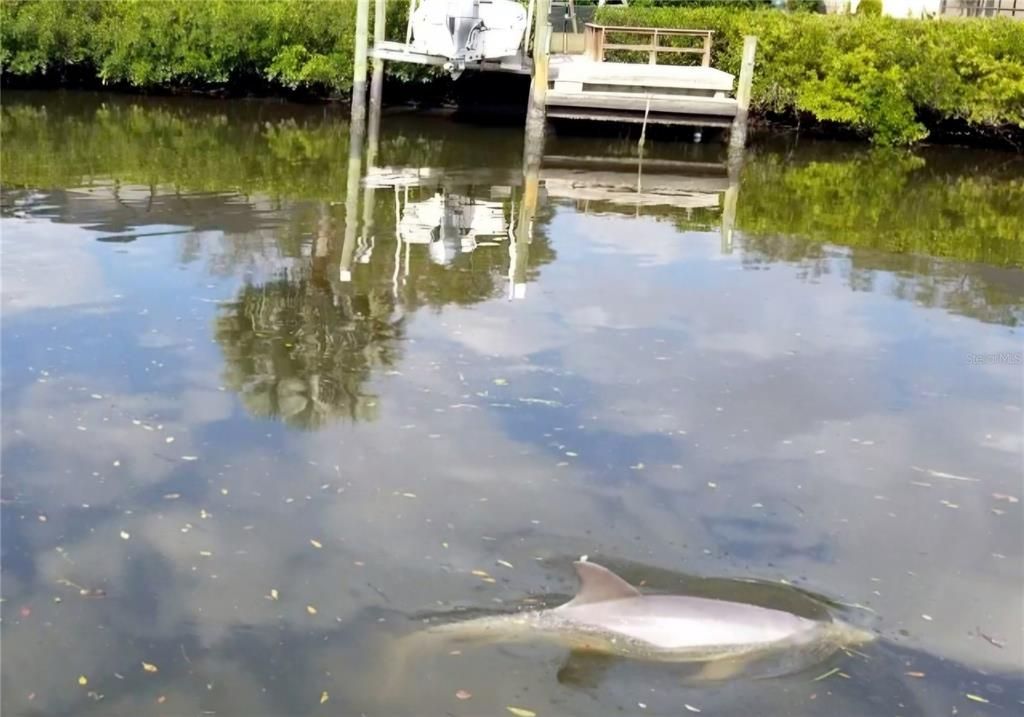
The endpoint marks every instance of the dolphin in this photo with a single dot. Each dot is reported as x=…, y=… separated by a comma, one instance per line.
x=610, y=617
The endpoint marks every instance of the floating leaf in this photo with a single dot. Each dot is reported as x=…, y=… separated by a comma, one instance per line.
x=83, y=680
x=506, y=563
x=521, y=712
x=205, y=553
x=463, y=694
x=480, y=573
x=161, y=699
x=501, y=382
x=316, y=543
x=273, y=593
x=149, y=667
x=324, y=697
x=311, y=610
x=125, y=535
x=691, y=708
x=914, y=674
x=976, y=698
x=190, y=458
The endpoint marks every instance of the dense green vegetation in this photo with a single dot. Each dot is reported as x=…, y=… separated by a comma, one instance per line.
x=290, y=44
x=889, y=79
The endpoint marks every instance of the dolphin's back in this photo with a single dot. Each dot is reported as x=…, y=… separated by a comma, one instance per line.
x=673, y=622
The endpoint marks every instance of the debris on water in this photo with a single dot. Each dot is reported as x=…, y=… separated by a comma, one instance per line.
x=914, y=674
x=521, y=711
x=324, y=697
x=149, y=667
x=316, y=543
x=190, y=458
x=500, y=382
x=169, y=439
x=506, y=563
x=822, y=676
x=273, y=594
x=311, y=610
x=125, y=535
x=691, y=708
x=926, y=617
x=408, y=495
x=83, y=680
x=205, y=553
x=172, y=496
x=463, y=694
x=976, y=698
x=943, y=474
x=1007, y=498
x=480, y=573
x=991, y=640
x=161, y=699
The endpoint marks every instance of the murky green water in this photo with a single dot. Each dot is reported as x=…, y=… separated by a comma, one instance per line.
x=249, y=448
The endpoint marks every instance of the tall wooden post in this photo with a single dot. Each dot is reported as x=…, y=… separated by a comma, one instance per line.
x=359, y=63
x=537, y=110
x=738, y=133
x=376, y=82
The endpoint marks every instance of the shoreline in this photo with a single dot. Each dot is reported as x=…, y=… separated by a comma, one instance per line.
x=412, y=100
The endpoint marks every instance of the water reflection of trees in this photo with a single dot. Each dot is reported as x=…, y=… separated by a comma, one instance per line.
x=302, y=346
x=299, y=349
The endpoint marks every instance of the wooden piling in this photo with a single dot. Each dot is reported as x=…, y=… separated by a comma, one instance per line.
x=738, y=133
x=376, y=82
x=536, y=110
x=359, y=63
x=356, y=138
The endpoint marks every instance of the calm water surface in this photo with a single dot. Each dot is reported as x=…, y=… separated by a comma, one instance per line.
x=249, y=448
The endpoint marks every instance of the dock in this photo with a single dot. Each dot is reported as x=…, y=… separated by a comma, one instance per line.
x=605, y=73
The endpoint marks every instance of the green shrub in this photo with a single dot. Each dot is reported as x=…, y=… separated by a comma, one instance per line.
x=877, y=75
x=161, y=43
x=870, y=7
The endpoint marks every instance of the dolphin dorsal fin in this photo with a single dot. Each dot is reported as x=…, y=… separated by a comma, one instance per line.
x=598, y=584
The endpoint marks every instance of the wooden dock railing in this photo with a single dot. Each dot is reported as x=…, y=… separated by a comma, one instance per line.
x=596, y=42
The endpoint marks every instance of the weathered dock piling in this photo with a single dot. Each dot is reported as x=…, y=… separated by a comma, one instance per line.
x=738, y=132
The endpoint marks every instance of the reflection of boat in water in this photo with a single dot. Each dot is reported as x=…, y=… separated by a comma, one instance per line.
x=452, y=224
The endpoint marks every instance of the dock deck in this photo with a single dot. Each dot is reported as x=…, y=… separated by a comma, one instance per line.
x=580, y=88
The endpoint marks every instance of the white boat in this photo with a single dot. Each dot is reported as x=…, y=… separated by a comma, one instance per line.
x=467, y=31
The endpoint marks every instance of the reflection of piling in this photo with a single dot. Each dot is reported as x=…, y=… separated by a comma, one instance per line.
x=732, y=192
x=738, y=133
x=519, y=249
